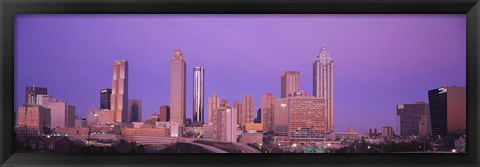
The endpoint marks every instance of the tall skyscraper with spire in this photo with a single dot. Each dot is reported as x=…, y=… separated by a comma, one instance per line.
x=177, y=87
x=198, y=95
x=323, y=77
x=119, y=97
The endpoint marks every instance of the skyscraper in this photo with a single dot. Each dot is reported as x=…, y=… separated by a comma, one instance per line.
x=323, y=87
x=213, y=104
x=105, y=95
x=448, y=110
x=290, y=83
x=198, y=94
x=410, y=118
x=238, y=106
x=177, y=87
x=31, y=93
x=247, y=110
x=268, y=103
x=119, y=98
x=224, y=124
x=134, y=110
x=164, y=113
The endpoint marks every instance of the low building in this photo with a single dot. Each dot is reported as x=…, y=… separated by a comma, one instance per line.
x=207, y=131
x=253, y=127
x=387, y=132
x=161, y=132
x=99, y=117
x=34, y=116
x=25, y=131
x=251, y=138
x=346, y=135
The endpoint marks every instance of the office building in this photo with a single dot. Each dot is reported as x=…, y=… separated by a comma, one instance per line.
x=307, y=119
x=105, y=95
x=31, y=93
x=134, y=110
x=164, y=113
x=410, y=118
x=62, y=114
x=280, y=117
x=290, y=83
x=33, y=116
x=224, y=124
x=247, y=108
x=119, y=97
x=268, y=103
x=177, y=87
x=448, y=110
x=323, y=85
x=198, y=94
x=213, y=104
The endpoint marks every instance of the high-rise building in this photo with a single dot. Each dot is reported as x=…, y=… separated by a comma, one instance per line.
x=213, y=104
x=164, y=113
x=33, y=116
x=247, y=110
x=134, y=110
x=31, y=93
x=198, y=94
x=306, y=119
x=119, y=97
x=268, y=103
x=448, y=110
x=323, y=85
x=105, y=95
x=280, y=117
x=290, y=83
x=224, y=124
x=410, y=118
x=177, y=88
x=238, y=106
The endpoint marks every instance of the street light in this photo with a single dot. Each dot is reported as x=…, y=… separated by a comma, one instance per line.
x=454, y=151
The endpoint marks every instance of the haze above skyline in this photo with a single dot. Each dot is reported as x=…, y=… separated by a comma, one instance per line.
x=380, y=60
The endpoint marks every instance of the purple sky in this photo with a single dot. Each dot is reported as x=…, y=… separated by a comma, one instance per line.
x=380, y=60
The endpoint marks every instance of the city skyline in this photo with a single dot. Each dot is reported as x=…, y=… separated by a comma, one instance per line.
x=235, y=87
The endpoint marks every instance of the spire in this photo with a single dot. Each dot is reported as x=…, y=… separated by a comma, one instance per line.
x=178, y=54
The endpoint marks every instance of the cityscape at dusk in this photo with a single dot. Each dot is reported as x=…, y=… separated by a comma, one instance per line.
x=242, y=83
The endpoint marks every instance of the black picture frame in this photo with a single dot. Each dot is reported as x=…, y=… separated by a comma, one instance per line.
x=9, y=8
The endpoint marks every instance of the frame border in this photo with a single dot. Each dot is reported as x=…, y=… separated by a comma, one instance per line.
x=9, y=8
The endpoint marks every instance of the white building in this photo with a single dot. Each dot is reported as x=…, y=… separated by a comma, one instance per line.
x=323, y=78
